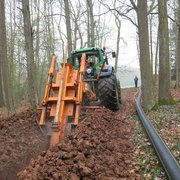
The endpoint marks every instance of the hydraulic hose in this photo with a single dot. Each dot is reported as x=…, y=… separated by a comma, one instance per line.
x=168, y=162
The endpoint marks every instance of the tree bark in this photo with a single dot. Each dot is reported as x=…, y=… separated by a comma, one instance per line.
x=178, y=47
x=1, y=89
x=164, y=68
x=11, y=49
x=118, y=25
x=156, y=60
x=90, y=29
x=68, y=26
x=151, y=40
x=33, y=99
x=145, y=66
x=4, y=69
x=75, y=32
x=37, y=43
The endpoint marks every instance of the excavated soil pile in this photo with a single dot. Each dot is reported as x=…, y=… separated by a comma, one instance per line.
x=99, y=148
x=20, y=140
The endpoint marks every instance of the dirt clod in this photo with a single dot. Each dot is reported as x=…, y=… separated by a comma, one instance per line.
x=98, y=148
x=20, y=140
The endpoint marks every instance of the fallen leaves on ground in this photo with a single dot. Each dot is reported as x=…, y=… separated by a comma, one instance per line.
x=166, y=120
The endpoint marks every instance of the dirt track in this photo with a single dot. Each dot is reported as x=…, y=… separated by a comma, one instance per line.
x=99, y=148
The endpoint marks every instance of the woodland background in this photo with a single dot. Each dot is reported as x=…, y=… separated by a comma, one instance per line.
x=32, y=30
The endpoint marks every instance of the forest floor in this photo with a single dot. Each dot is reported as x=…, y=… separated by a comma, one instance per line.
x=166, y=121
x=105, y=145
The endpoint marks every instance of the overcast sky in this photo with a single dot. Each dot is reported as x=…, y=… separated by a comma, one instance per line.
x=128, y=49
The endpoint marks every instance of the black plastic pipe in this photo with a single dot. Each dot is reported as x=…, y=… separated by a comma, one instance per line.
x=168, y=162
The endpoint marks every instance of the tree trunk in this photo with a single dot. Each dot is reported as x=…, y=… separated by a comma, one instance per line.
x=75, y=32
x=80, y=36
x=37, y=59
x=164, y=68
x=156, y=60
x=49, y=31
x=178, y=48
x=62, y=41
x=60, y=32
x=68, y=26
x=11, y=48
x=88, y=25
x=118, y=25
x=151, y=39
x=1, y=88
x=19, y=95
x=91, y=39
x=33, y=99
x=4, y=69
x=145, y=66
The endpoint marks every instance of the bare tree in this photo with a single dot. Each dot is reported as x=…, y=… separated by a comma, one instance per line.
x=178, y=47
x=33, y=98
x=164, y=68
x=4, y=69
x=156, y=60
x=37, y=42
x=118, y=25
x=68, y=26
x=90, y=18
x=145, y=66
x=11, y=46
x=1, y=89
x=76, y=15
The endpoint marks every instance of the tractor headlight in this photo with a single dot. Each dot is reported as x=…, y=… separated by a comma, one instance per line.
x=89, y=70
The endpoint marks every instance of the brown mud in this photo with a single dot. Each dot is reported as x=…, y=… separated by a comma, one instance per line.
x=20, y=140
x=98, y=148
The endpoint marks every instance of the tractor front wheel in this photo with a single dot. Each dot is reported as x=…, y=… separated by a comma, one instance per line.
x=108, y=91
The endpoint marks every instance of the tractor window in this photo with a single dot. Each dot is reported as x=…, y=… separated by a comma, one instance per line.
x=92, y=57
x=76, y=62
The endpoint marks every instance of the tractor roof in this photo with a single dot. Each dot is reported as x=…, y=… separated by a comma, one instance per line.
x=85, y=50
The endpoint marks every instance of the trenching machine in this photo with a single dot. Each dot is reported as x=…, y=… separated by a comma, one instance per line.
x=85, y=80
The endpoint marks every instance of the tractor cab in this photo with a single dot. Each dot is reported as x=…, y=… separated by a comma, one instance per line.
x=94, y=61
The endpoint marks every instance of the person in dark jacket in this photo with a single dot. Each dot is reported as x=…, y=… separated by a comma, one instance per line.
x=136, y=81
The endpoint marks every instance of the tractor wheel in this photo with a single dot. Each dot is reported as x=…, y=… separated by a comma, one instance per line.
x=85, y=100
x=109, y=92
x=119, y=91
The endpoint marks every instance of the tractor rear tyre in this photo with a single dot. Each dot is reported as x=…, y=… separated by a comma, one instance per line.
x=119, y=91
x=109, y=92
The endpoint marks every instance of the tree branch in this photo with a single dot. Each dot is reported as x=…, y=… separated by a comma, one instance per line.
x=134, y=5
x=118, y=12
x=156, y=13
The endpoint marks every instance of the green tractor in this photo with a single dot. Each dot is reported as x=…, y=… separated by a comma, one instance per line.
x=86, y=79
x=99, y=75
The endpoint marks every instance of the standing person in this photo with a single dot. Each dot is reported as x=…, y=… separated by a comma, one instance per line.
x=136, y=81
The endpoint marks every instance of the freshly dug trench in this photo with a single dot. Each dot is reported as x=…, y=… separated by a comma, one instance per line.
x=99, y=148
